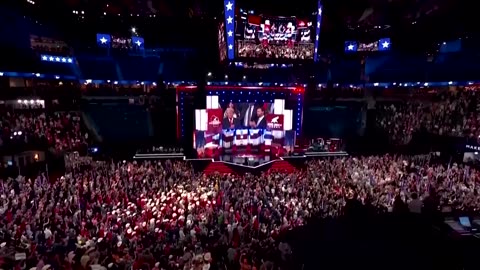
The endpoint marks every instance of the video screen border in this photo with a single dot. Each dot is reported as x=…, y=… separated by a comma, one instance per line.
x=261, y=33
x=241, y=94
x=230, y=20
x=271, y=131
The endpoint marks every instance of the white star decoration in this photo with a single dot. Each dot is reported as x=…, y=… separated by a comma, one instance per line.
x=51, y=58
x=229, y=17
x=320, y=11
x=385, y=45
x=57, y=59
x=103, y=40
x=64, y=60
x=44, y=58
x=350, y=47
x=318, y=24
x=316, y=37
x=69, y=60
x=138, y=43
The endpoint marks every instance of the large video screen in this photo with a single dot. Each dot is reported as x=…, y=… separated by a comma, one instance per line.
x=245, y=126
x=274, y=37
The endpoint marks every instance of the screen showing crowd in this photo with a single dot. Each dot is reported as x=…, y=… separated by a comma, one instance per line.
x=274, y=37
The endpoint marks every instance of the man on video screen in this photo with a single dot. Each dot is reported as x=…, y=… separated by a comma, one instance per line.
x=230, y=122
x=261, y=122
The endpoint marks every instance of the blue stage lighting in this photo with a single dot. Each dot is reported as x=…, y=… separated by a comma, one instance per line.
x=57, y=59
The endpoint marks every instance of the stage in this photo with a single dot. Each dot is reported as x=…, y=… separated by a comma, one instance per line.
x=257, y=164
x=257, y=161
x=248, y=128
x=238, y=163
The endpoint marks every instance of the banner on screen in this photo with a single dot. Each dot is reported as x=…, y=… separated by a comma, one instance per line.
x=275, y=121
x=215, y=117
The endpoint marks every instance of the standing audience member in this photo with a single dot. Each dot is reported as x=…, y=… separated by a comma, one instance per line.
x=415, y=205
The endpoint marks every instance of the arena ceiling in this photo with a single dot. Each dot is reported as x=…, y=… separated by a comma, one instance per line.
x=410, y=23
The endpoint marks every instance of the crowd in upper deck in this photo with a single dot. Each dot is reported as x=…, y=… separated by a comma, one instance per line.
x=60, y=131
x=450, y=114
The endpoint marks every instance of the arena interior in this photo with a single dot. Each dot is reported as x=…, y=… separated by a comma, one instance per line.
x=251, y=135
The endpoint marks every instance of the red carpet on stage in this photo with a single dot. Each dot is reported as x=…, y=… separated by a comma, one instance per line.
x=218, y=167
x=282, y=166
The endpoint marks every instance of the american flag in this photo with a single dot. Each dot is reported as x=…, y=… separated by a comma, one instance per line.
x=212, y=140
x=268, y=139
x=241, y=137
x=228, y=136
x=255, y=137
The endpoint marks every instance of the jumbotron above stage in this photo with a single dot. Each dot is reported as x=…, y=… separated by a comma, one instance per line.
x=254, y=35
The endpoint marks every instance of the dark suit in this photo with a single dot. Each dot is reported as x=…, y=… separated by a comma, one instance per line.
x=226, y=123
x=269, y=108
x=248, y=111
x=262, y=124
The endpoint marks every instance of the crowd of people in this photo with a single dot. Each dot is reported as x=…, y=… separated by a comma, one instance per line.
x=454, y=114
x=163, y=215
x=297, y=51
x=60, y=131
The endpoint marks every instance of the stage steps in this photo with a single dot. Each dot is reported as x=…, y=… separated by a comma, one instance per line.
x=219, y=167
x=282, y=166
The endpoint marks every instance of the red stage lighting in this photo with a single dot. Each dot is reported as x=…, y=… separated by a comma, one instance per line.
x=299, y=90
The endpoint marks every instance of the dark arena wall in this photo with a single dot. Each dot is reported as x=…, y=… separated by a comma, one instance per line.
x=341, y=120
